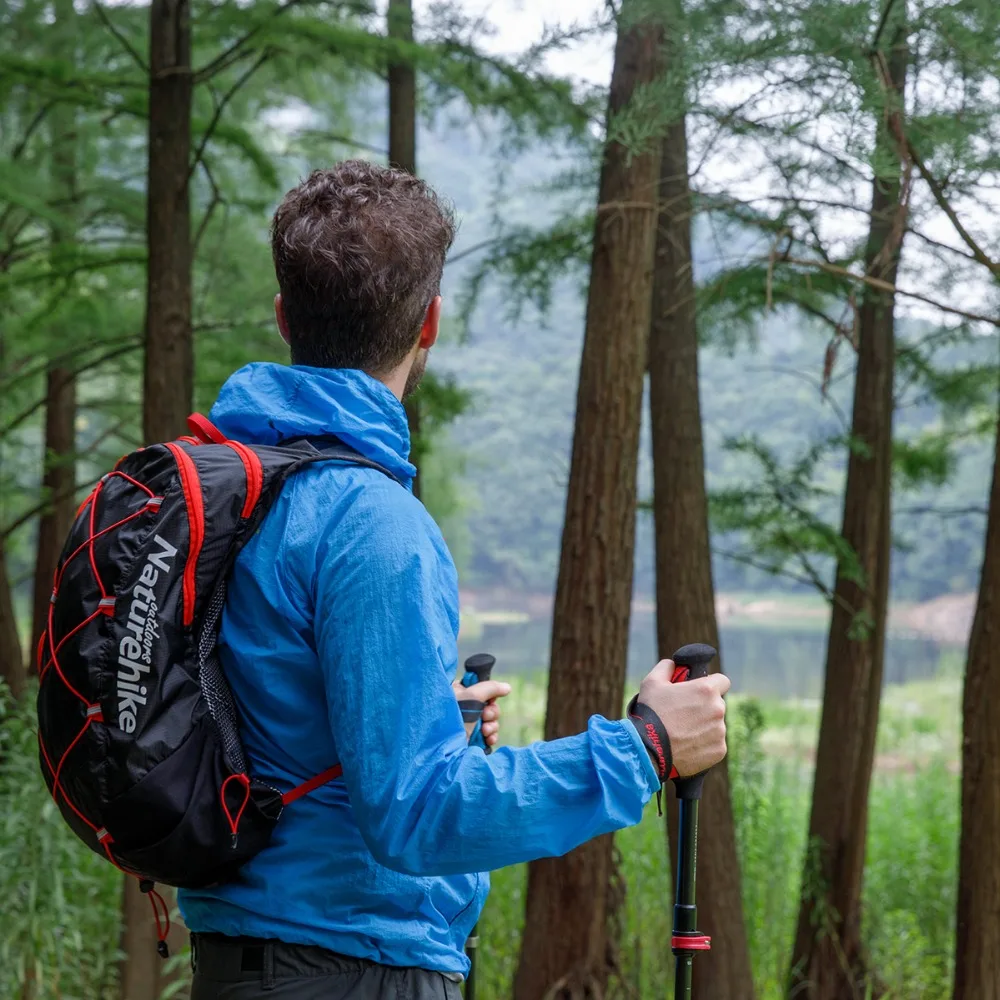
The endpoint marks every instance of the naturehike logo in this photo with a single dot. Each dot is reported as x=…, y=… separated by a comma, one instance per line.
x=136, y=650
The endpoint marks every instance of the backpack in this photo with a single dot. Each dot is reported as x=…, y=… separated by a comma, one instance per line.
x=138, y=734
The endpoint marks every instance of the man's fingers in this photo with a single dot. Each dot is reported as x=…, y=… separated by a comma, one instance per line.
x=491, y=713
x=486, y=691
x=663, y=670
x=490, y=732
x=720, y=683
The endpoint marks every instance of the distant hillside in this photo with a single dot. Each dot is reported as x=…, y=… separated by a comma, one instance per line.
x=515, y=439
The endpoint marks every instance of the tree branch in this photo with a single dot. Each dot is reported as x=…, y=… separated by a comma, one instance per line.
x=122, y=40
x=345, y=139
x=215, y=201
x=883, y=21
x=29, y=410
x=888, y=287
x=47, y=501
x=221, y=106
x=226, y=58
x=55, y=361
x=943, y=512
x=22, y=144
x=469, y=251
x=937, y=190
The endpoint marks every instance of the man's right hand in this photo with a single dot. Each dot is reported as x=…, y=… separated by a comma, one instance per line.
x=693, y=714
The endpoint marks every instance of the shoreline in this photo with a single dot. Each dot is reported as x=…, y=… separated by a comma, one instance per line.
x=946, y=620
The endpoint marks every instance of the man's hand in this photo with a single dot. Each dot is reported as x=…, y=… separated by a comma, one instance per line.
x=693, y=713
x=488, y=692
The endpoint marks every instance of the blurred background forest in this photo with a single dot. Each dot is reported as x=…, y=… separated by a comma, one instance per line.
x=828, y=174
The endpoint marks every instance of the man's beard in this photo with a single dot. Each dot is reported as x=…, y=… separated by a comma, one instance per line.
x=416, y=374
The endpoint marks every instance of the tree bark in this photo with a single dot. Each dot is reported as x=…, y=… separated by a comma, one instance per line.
x=403, y=150
x=140, y=968
x=169, y=369
x=566, y=947
x=685, y=595
x=11, y=656
x=59, y=483
x=168, y=377
x=977, y=951
x=828, y=961
x=58, y=464
x=402, y=92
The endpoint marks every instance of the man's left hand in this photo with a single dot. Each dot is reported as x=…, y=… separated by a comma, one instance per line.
x=488, y=692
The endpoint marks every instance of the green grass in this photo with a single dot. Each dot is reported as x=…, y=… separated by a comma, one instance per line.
x=59, y=902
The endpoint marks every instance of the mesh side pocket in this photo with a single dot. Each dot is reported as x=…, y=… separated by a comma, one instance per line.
x=215, y=687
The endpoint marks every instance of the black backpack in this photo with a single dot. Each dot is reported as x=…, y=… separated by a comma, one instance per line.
x=138, y=735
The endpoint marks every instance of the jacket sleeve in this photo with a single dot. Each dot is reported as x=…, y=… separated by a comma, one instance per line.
x=386, y=624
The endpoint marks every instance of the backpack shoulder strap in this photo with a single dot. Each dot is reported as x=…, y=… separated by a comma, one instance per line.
x=326, y=449
x=332, y=449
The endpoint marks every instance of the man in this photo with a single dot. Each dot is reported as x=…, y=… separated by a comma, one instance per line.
x=339, y=642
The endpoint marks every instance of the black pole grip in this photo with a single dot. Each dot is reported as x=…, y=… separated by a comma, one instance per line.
x=478, y=668
x=481, y=664
x=691, y=662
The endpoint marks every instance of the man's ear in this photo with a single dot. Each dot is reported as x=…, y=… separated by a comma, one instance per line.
x=279, y=315
x=432, y=325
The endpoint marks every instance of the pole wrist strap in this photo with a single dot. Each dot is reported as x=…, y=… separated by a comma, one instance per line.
x=654, y=737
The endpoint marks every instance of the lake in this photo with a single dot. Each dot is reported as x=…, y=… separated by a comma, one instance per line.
x=761, y=661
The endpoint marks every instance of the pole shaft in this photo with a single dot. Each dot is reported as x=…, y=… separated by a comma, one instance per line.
x=470, y=980
x=685, y=911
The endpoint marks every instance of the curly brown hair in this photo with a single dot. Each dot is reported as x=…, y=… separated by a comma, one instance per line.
x=359, y=250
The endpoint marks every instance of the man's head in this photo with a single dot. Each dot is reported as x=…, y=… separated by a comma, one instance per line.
x=359, y=251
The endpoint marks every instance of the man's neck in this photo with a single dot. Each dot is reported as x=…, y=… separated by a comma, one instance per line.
x=396, y=380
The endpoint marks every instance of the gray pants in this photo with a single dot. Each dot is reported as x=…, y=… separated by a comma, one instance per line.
x=251, y=969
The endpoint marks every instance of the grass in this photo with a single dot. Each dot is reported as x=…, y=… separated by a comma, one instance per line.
x=59, y=902
x=911, y=859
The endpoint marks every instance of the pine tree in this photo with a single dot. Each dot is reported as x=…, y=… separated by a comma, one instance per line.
x=685, y=596
x=565, y=948
x=403, y=145
x=168, y=382
x=59, y=459
x=977, y=951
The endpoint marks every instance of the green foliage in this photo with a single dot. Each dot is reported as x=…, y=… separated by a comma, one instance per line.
x=762, y=399
x=910, y=875
x=59, y=903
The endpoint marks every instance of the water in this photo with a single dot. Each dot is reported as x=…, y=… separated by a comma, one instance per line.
x=763, y=662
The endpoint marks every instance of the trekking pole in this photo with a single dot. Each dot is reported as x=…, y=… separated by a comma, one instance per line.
x=689, y=662
x=477, y=668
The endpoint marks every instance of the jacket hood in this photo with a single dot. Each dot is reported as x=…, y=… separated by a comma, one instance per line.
x=266, y=403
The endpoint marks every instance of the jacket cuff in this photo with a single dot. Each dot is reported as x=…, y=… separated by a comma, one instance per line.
x=652, y=777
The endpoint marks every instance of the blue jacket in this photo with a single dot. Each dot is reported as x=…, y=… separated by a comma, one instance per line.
x=339, y=639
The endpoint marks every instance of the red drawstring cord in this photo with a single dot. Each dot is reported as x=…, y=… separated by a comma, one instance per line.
x=234, y=824
x=162, y=928
x=146, y=886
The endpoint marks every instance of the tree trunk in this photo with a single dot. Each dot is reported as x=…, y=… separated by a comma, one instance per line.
x=977, y=951
x=402, y=92
x=828, y=961
x=566, y=948
x=59, y=483
x=685, y=596
x=11, y=657
x=403, y=150
x=168, y=377
x=58, y=464
x=140, y=965
x=169, y=368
